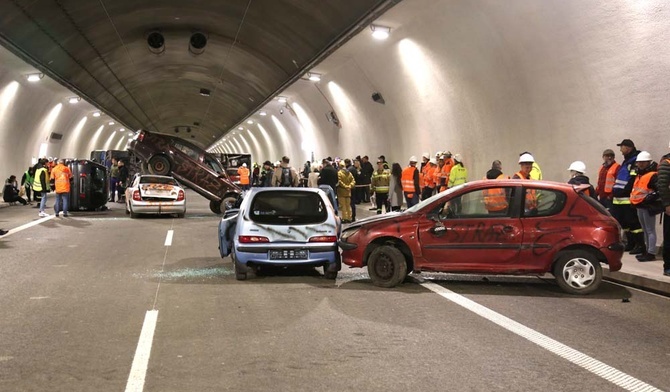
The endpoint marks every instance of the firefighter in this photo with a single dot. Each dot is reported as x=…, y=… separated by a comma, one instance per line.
x=622, y=210
x=410, y=183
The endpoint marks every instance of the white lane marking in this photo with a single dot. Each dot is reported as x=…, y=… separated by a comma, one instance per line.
x=28, y=225
x=168, y=239
x=138, y=371
x=594, y=366
x=39, y=297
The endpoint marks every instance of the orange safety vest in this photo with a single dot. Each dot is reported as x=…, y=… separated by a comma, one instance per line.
x=429, y=177
x=61, y=175
x=444, y=173
x=494, y=198
x=407, y=179
x=531, y=194
x=424, y=174
x=610, y=178
x=641, y=188
x=244, y=175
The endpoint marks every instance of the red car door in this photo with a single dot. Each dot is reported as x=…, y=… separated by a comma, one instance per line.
x=475, y=231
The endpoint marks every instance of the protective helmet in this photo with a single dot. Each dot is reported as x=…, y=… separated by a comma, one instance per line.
x=425, y=155
x=413, y=159
x=526, y=158
x=577, y=166
x=458, y=158
x=643, y=156
x=244, y=165
x=447, y=154
x=433, y=161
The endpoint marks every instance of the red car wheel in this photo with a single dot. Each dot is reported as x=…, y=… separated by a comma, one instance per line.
x=387, y=266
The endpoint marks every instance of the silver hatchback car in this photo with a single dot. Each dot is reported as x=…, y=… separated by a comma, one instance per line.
x=282, y=227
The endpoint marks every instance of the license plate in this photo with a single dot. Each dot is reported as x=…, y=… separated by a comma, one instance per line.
x=288, y=254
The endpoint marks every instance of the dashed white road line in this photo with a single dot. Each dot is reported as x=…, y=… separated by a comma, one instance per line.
x=28, y=225
x=168, y=238
x=138, y=371
x=578, y=358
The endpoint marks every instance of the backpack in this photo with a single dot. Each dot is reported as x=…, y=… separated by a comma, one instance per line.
x=285, y=179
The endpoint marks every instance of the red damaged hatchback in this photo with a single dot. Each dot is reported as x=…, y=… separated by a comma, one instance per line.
x=496, y=227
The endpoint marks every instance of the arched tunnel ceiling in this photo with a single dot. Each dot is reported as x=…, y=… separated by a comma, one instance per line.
x=254, y=49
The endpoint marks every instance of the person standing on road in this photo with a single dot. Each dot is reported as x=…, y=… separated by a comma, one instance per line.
x=345, y=184
x=113, y=179
x=606, y=177
x=577, y=177
x=62, y=176
x=622, y=210
x=380, y=186
x=41, y=186
x=663, y=185
x=641, y=198
x=285, y=175
x=410, y=183
x=243, y=172
x=123, y=181
x=395, y=187
x=366, y=177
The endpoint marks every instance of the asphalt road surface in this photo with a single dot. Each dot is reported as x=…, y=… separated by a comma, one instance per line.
x=102, y=302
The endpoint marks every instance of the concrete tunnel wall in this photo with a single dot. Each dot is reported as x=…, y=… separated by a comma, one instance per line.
x=486, y=79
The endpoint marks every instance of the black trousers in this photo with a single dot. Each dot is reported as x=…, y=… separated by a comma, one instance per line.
x=426, y=193
x=626, y=215
x=382, y=200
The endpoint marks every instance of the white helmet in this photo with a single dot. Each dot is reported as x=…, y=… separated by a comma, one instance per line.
x=458, y=158
x=578, y=166
x=244, y=165
x=643, y=156
x=526, y=158
x=413, y=159
x=426, y=155
x=433, y=161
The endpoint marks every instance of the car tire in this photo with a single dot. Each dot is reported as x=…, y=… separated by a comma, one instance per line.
x=578, y=272
x=227, y=203
x=159, y=165
x=330, y=275
x=387, y=266
x=132, y=214
x=181, y=216
x=215, y=207
x=127, y=210
x=240, y=270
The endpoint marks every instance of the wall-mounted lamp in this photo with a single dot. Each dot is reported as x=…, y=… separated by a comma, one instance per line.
x=34, y=77
x=380, y=32
x=197, y=43
x=314, y=77
x=97, y=114
x=156, y=42
x=377, y=97
x=74, y=100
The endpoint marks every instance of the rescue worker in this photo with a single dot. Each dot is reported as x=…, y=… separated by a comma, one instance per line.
x=345, y=184
x=606, y=177
x=535, y=171
x=425, y=159
x=445, y=170
x=526, y=165
x=577, y=177
x=410, y=183
x=495, y=199
x=429, y=179
x=458, y=174
x=642, y=197
x=243, y=172
x=27, y=182
x=663, y=185
x=622, y=210
x=41, y=186
x=61, y=175
x=380, y=186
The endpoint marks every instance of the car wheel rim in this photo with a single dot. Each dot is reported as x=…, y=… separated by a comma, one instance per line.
x=579, y=273
x=384, y=267
x=159, y=166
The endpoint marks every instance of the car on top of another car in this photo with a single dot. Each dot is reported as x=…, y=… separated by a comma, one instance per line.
x=496, y=227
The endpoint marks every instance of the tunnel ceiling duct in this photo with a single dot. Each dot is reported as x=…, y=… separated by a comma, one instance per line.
x=234, y=49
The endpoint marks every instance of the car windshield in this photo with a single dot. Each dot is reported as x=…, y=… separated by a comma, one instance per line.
x=157, y=180
x=431, y=199
x=213, y=163
x=288, y=208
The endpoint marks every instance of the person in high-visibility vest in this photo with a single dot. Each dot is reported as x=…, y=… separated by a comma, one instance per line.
x=535, y=171
x=606, y=177
x=622, y=210
x=429, y=179
x=41, y=185
x=380, y=186
x=495, y=199
x=445, y=170
x=243, y=171
x=663, y=185
x=644, y=186
x=577, y=176
x=458, y=174
x=61, y=175
x=526, y=165
x=410, y=183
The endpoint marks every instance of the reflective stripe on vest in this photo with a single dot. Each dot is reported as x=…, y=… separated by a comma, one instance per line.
x=37, y=185
x=641, y=188
x=610, y=177
x=407, y=179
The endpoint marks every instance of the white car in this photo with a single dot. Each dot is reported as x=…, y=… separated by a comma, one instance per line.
x=282, y=227
x=152, y=194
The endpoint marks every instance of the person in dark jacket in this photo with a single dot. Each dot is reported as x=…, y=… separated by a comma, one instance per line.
x=663, y=185
x=328, y=175
x=496, y=170
x=641, y=198
x=122, y=183
x=10, y=193
x=366, y=177
x=577, y=177
x=622, y=210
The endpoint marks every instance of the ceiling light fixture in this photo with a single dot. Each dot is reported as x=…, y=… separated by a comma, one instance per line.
x=96, y=114
x=74, y=100
x=240, y=128
x=205, y=92
x=380, y=32
x=34, y=77
x=122, y=129
x=314, y=77
x=263, y=113
x=282, y=99
x=250, y=122
x=110, y=123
